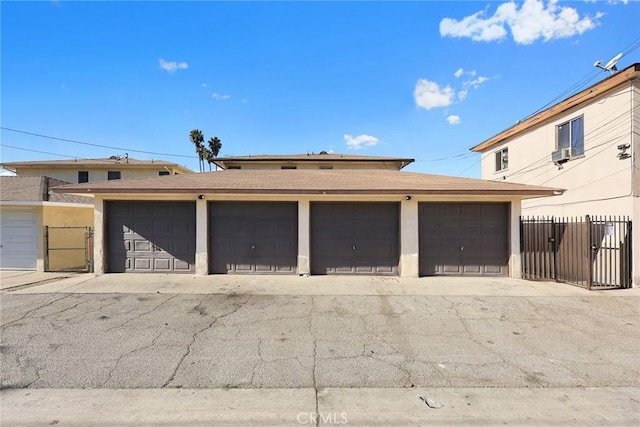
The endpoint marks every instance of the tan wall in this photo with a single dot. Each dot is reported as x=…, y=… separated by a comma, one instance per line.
x=315, y=165
x=67, y=244
x=596, y=176
x=597, y=184
x=71, y=175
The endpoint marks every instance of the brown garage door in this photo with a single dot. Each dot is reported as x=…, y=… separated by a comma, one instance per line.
x=355, y=238
x=153, y=237
x=464, y=239
x=253, y=237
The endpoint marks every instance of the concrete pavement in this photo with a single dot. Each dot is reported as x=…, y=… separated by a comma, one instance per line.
x=15, y=279
x=313, y=285
x=164, y=350
x=303, y=406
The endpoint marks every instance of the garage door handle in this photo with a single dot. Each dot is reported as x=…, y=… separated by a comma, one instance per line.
x=462, y=248
x=253, y=246
x=354, y=247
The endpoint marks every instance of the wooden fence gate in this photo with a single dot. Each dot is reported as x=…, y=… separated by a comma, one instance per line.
x=591, y=252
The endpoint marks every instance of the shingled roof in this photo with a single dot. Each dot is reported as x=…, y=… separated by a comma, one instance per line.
x=35, y=189
x=311, y=181
x=107, y=162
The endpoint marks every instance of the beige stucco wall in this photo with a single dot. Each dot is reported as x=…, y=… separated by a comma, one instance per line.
x=409, y=231
x=72, y=257
x=599, y=183
x=314, y=165
x=95, y=174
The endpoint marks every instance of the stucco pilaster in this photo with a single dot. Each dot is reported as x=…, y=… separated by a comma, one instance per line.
x=304, y=246
x=409, y=242
x=202, y=247
x=98, y=235
x=515, y=260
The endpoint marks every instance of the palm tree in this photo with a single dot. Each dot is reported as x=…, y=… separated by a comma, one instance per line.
x=215, y=145
x=197, y=139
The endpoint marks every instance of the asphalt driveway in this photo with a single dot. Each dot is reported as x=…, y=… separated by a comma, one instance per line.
x=151, y=340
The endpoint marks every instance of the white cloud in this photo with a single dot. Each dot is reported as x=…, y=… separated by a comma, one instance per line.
x=171, y=66
x=430, y=95
x=215, y=95
x=205, y=85
x=462, y=95
x=459, y=72
x=454, y=120
x=625, y=2
x=475, y=83
x=360, y=141
x=532, y=21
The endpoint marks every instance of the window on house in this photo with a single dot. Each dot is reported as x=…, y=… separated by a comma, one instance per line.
x=571, y=135
x=163, y=173
x=326, y=167
x=234, y=167
x=111, y=175
x=502, y=159
x=83, y=176
x=287, y=167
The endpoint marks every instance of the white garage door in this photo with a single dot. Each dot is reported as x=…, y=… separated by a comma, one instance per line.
x=18, y=236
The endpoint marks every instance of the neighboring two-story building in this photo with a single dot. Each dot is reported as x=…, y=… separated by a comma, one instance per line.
x=587, y=144
x=91, y=170
x=308, y=214
x=29, y=209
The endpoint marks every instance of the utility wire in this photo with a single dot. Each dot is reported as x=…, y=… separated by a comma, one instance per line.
x=36, y=151
x=95, y=145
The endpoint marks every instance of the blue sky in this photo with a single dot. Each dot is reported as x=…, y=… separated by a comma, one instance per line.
x=426, y=80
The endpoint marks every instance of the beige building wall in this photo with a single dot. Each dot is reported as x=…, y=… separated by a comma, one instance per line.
x=313, y=165
x=598, y=183
x=95, y=175
x=68, y=244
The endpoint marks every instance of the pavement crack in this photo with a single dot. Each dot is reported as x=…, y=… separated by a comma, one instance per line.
x=119, y=359
x=24, y=316
x=195, y=336
x=142, y=314
x=315, y=359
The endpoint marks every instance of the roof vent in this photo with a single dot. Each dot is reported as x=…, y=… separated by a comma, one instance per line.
x=323, y=152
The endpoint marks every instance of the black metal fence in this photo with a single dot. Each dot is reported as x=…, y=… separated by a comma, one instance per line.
x=593, y=252
x=68, y=249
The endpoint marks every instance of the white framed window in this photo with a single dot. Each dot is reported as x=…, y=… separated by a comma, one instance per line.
x=570, y=135
x=502, y=159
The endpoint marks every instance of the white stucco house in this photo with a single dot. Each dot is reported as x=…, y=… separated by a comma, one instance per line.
x=587, y=144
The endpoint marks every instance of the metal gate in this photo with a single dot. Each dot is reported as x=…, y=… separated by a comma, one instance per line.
x=68, y=249
x=594, y=252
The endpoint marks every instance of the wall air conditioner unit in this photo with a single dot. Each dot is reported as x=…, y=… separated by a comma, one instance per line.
x=562, y=155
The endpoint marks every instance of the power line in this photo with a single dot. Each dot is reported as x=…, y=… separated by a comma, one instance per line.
x=95, y=145
x=36, y=151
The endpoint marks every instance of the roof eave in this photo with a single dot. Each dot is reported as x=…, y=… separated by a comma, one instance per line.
x=425, y=192
x=629, y=74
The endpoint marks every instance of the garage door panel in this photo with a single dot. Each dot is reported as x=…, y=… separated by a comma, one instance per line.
x=355, y=238
x=150, y=236
x=18, y=239
x=253, y=237
x=463, y=238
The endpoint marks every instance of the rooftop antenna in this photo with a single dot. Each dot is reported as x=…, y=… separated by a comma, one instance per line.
x=611, y=65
